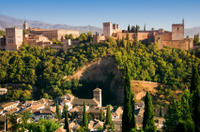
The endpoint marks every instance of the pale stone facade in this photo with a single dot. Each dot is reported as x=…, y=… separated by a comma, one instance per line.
x=109, y=29
x=33, y=39
x=34, y=36
x=57, y=34
x=3, y=91
x=14, y=38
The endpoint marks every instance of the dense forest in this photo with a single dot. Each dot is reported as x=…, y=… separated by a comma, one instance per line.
x=36, y=72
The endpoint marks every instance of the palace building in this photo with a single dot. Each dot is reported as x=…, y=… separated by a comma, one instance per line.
x=174, y=39
x=16, y=37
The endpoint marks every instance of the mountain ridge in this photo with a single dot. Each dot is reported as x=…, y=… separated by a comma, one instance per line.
x=8, y=21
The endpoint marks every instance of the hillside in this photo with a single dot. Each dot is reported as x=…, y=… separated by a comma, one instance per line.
x=49, y=73
x=7, y=21
x=104, y=72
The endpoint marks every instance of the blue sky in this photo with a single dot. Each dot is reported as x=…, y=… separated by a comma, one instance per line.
x=153, y=13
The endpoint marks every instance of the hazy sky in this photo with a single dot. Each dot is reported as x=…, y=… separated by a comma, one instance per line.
x=153, y=13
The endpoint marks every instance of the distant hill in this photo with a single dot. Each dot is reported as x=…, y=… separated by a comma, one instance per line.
x=7, y=21
x=192, y=31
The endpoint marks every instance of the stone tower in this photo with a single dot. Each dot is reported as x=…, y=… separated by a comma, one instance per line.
x=107, y=29
x=178, y=31
x=25, y=25
x=14, y=38
x=97, y=94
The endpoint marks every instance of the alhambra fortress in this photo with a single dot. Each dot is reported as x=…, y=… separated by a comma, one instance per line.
x=16, y=37
x=174, y=39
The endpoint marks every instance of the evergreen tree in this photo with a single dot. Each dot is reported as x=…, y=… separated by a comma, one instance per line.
x=196, y=106
x=179, y=110
x=161, y=112
x=185, y=126
x=84, y=118
x=133, y=29
x=65, y=111
x=128, y=118
x=129, y=28
x=185, y=107
x=195, y=90
x=194, y=79
x=196, y=39
x=101, y=115
x=133, y=119
x=58, y=113
x=148, y=118
x=172, y=116
x=137, y=28
x=108, y=124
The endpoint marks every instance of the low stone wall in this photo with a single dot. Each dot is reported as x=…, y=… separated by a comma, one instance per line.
x=181, y=44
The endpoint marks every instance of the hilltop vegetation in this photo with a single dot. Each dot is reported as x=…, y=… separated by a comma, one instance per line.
x=40, y=71
x=34, y=72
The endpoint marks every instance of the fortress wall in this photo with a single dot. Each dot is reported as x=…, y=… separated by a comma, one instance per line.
x=121, y=35
x=182, y=44
x=166, y=36
x=142, y=35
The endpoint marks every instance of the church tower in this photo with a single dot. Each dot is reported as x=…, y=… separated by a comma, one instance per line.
x=97, y=95
x=25, y=26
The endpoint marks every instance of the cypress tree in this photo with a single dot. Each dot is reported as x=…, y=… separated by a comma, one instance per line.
x=128, y=118
x=133, y=119
x=172, y=117
x=185, y=126
x=66, y=118
x=161, y=112
x=194, y=79
x=129, y=28
x=65, y=109
x=195, y=90
x=101, y=118
x=58, y=115
x=148, y=118
x=185, y=107
x=84, y=118
x=108, y=124
x=178, y=111
x=196, y=39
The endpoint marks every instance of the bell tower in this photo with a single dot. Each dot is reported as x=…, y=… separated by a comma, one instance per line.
x=25, y=25
x=97, y=95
